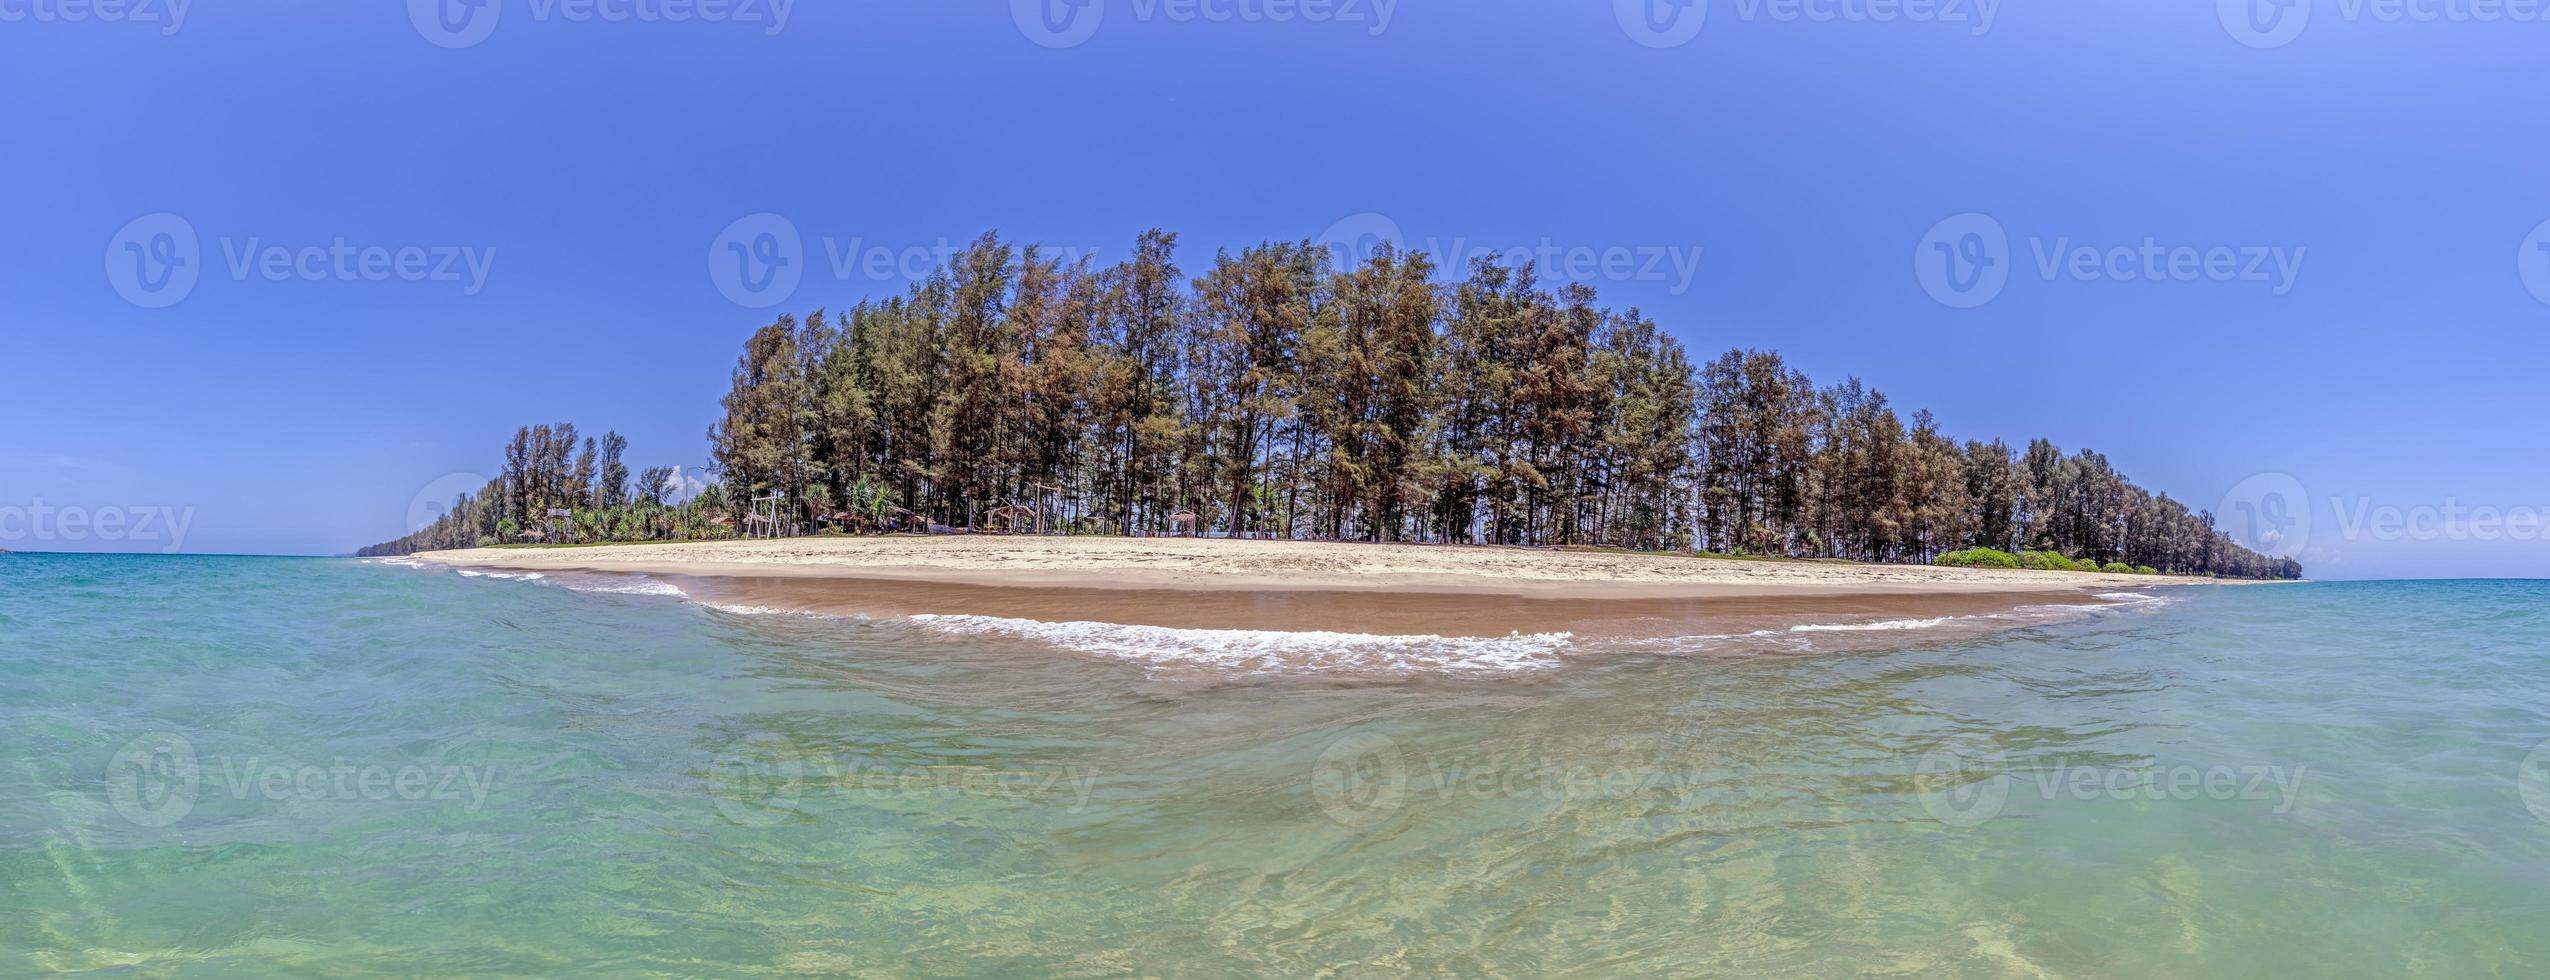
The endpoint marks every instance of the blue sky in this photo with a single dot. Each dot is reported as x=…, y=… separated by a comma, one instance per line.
x=2337, y=305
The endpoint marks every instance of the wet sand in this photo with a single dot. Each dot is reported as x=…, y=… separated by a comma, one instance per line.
x=1379, y=590
x=1377, y=613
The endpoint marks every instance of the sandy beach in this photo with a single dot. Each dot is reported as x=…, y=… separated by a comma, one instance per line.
x=1256, y=566
x=1329, y=586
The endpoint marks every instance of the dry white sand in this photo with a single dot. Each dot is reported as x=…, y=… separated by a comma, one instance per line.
x=1193, y=563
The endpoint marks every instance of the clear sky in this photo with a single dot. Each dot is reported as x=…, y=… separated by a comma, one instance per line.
x=2346, y=301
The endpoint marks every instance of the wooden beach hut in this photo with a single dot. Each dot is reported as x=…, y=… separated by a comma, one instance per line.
x=1015, y=519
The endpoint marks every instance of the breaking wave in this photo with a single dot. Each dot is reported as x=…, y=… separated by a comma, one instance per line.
x=628, y=588
x=1273, y=650
x=1891, y=624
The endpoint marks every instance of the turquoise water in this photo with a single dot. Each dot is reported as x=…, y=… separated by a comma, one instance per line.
x=252, y=767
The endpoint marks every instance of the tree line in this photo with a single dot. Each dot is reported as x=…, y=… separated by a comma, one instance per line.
x=1274, y=394
x=552, y=491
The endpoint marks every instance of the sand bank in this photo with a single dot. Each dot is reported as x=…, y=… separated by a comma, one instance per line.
x=1261, y=566
x=1384, y=590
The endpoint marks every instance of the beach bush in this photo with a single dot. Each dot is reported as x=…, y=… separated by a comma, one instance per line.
x=1979, y=558
x=2054, y=561
x=2117, y=568
x=2145, y=570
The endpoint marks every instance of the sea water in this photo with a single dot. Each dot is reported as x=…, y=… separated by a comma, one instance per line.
x=252, y=767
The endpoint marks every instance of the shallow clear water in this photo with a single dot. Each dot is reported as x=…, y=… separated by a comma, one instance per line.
x=230, y=766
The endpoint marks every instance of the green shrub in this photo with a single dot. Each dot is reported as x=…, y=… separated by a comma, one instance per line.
x=1979, y=558
x=2117, y=568
x=2055, y=562
x=2145, y=570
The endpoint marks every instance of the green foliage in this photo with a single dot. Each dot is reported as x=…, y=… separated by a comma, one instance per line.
x=2117, y=568
x=2054, y=561
x=1979, y=558
x=2145, y=570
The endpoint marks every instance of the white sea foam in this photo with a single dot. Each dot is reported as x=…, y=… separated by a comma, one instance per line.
x=2116, y=602
x=523, y=576
x=1705, y=642
x=1273, y=650
x=629, y=588
x=741, y=610
x=1891, y=624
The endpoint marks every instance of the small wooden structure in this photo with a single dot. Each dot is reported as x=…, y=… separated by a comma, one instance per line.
x=1183, y=522
x=1015, y=518
x=767, y=523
